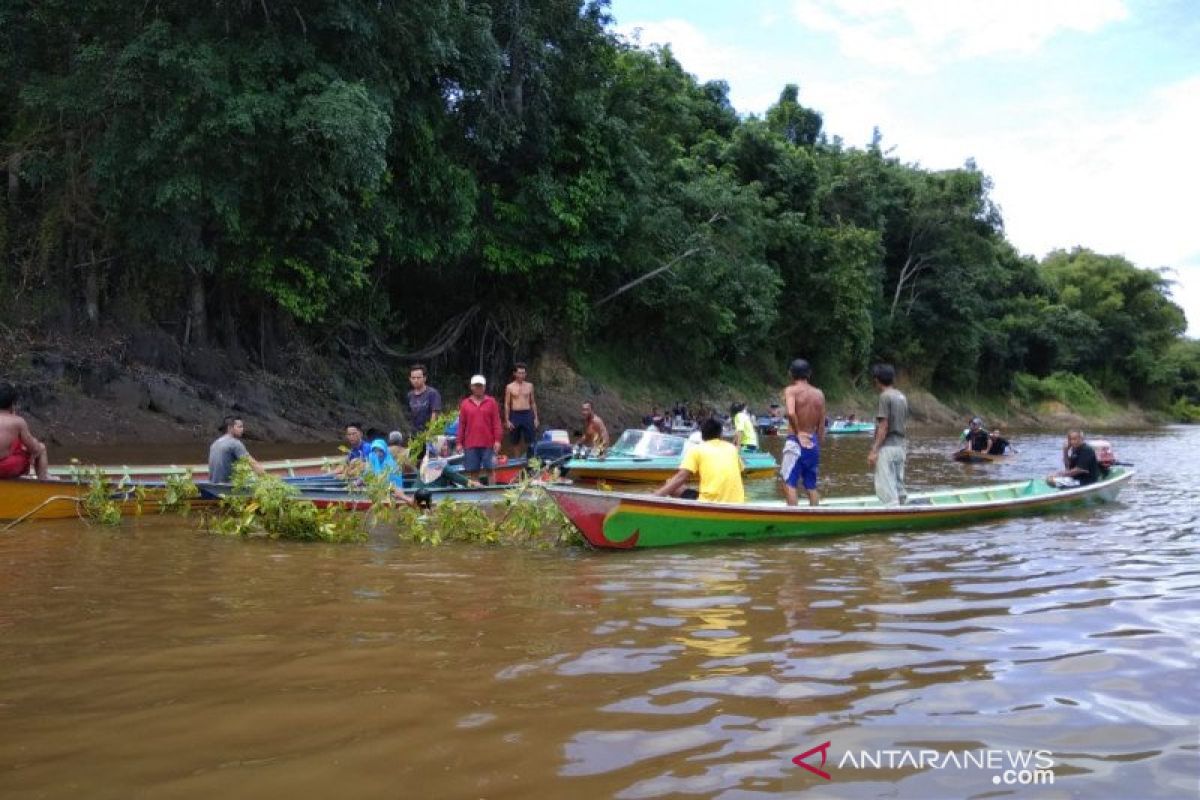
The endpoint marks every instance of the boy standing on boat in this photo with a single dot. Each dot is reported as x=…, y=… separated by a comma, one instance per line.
x=18, y=449
x=715, y=462
x=889, y=450
x=520, y=409
x=805, y=408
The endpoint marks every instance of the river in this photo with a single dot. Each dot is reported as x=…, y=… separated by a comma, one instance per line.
x=154, y=660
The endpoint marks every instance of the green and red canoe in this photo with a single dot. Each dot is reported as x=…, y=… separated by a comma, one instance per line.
x=624, y=521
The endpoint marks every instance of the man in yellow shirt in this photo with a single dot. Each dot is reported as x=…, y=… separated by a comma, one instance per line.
x=745, y=432
x=717, y=464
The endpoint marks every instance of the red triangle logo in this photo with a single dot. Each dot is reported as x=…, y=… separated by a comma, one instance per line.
x=823, y=750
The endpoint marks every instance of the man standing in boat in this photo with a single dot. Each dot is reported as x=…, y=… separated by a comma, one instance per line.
x=715, y=462
x=18, y=449
x=479, y=430
x=595, y=433
x=423, y=400
x=804, y=405
x=227, y=450
x=889, y=450
x=520, y=409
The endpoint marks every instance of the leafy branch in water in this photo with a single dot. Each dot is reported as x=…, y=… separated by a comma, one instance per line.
x=99, y=503
x=265, y=506
x=178, y=493
x=437, y=426
x=527, y=516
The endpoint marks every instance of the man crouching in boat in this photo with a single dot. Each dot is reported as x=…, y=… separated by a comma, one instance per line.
x=18, y=449
x=715, y=462
x=1081, y=467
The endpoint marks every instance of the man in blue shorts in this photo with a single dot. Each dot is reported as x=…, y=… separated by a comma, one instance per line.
x=804, y=405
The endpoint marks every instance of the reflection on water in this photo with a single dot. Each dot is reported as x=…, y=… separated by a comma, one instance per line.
x=156, y=660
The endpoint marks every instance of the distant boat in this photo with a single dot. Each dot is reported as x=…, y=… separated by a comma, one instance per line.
x=770, y=426
x=978, y=457
x=651, y=457
x=842, y=426
x=624, y=521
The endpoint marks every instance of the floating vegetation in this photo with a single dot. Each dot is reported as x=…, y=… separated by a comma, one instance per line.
x=265, y=506
x=178, y=493
x=526, y=516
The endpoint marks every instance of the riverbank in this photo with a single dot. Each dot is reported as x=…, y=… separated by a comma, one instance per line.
x=145, y=388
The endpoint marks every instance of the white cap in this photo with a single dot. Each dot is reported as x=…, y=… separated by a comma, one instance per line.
x=479, y=379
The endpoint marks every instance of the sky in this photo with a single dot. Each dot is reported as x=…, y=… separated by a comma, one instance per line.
x=1084, y=113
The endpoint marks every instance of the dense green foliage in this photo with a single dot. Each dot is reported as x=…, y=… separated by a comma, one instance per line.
x=469, y=182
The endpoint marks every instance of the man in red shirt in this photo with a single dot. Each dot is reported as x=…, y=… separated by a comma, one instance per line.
x=478, y=428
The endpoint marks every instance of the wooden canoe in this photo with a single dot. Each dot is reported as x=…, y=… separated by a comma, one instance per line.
x=356, y=500
x=60, y=499
x=318, y=468
x=977, y=457
x=632, y=469
x=851, y=427
x=284, y=468
x=625, y=521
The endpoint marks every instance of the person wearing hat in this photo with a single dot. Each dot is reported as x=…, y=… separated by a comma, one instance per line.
x=479, y=430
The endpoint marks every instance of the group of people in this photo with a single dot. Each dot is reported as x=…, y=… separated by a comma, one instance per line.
x=976, y=438
x=716, y=464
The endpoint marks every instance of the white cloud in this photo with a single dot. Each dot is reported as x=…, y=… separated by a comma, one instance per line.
x=920, y=35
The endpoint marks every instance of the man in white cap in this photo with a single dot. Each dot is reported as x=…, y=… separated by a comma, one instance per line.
x=479, y=428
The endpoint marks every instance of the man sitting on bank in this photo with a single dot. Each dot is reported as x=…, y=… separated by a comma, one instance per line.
x=717, y=465
x=1081, y=465
x=18, y=449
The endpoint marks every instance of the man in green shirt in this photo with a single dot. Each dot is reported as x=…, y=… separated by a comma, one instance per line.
x=889, y=450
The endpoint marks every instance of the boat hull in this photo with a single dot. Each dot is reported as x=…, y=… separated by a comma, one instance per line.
x=629, y=470
x=627, y=521
x=975, y=457
x=355, y=500
x=60, y=499
x=316, y=468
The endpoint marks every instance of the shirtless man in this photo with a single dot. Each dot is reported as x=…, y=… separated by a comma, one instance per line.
x=18, y=449
x=595, y=434
x=804, y=405
x=520, y=409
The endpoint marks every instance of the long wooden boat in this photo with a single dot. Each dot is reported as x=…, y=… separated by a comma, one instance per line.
x=284, y=468
x=626, y=521
x=354, y=499
x=33, y=499
x=976, y=457
x=316, y=468
x=651, y=457
x=841, y=426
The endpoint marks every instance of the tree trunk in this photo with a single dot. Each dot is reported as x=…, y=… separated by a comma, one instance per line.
x=516, y=61
x=91, y=294
x=14, y=178
x=197, y=318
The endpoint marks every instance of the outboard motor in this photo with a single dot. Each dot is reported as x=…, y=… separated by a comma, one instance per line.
x=1104, y=453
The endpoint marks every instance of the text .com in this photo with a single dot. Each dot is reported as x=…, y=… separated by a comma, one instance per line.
x=1007, y=767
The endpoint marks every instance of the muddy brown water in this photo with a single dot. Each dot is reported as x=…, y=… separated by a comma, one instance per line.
x=157, y=661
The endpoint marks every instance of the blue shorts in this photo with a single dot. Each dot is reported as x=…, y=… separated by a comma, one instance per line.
x=477, y=458
x=800, y=463
x=522, y=422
